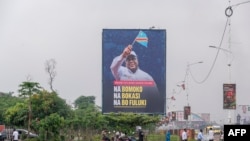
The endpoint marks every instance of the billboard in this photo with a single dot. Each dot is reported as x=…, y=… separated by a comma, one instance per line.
x=187, y=112
x=243, y=114
x=205, y=116
x=134, y=70
x=179, y=116
x=229, y=96
x=173, y=116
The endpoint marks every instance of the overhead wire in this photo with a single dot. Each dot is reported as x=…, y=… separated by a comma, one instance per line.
x=235, y=5
x=184, y=82
x=215, y=59
x=219, y=47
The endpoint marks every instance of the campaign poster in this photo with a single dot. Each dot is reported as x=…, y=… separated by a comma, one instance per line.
x=173, y=116
x=243, y=114
x=187, y=112
x=134, y=70
x=229, y=96
x=205, y=116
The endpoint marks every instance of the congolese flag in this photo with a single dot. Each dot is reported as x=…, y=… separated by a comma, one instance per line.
x=142, y=38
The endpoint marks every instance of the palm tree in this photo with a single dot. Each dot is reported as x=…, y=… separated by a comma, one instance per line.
x=27, y=89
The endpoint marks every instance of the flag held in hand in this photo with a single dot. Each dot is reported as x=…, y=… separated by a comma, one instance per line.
x=142, y=39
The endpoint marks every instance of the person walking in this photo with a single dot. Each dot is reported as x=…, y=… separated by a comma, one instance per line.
x=141, y=135
x=221, y=135
x=15, y=135
x=168, y=135
x=200, y=135
x=211, y=134
x=184, y=135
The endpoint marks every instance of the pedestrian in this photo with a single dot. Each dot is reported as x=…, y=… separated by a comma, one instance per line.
x=117, y=135
x=168, y=135
x=141, y=134
x=211, y=134
x=221, y=135
x=184, y=135
x=200, y=135
x=15, y=135
x=104, y=136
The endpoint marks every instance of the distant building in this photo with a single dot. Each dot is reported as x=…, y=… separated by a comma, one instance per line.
x=195, y=121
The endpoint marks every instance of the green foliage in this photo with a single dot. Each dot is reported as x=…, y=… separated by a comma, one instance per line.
x=51, y=117
x=7, y=101
x=162, y=137
x=174, y=138
x=50, y=126
x=31, y=139
x=45, y=103
x=17, y=114
x=156, y=137
x=29, y=88
x=86, y=115
x=83, y=102
x=126, y=122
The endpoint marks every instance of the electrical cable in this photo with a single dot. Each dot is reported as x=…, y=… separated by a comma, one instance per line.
x=230, y=8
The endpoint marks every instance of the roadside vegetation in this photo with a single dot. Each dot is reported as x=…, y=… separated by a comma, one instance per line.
x=45, y=113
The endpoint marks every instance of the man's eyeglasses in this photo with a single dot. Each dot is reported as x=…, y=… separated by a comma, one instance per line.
x=131, y=57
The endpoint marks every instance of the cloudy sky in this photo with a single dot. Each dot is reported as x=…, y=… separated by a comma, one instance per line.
x=70, y=31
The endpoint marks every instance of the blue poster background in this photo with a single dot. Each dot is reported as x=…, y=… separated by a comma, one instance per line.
x=152, y=59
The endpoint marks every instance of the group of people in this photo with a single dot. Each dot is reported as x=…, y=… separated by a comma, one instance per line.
x=119, y=136
x=184, y=136
x=200, y=137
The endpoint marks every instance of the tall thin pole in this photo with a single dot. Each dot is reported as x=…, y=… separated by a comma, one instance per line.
x=229, y=62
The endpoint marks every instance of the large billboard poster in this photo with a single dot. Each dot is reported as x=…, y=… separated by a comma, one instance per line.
x=134, y=71
x=243, y=114
x=229, y=96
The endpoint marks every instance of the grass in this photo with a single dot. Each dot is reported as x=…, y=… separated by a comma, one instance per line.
x=162, y=137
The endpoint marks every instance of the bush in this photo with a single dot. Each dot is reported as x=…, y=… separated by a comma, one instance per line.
x=162, y=137
x=155, y=137
x=31, y=139
x=174, y=138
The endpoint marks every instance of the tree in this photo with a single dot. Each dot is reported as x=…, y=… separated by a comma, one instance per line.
x=17, y=114
x=46, y=103
x=87, y=120
x=127, y=122
x=50, y=127
x=50, y=66
x=27, y=89
x=7, y=101
x=83, y=102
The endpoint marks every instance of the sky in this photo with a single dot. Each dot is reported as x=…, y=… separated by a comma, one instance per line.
x=70, y=32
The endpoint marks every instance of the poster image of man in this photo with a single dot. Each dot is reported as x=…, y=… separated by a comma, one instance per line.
x=173, y=116
x=134, y=70
x=229, y=96
x=243, y=114
x=131, y=70
x=187, y=112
